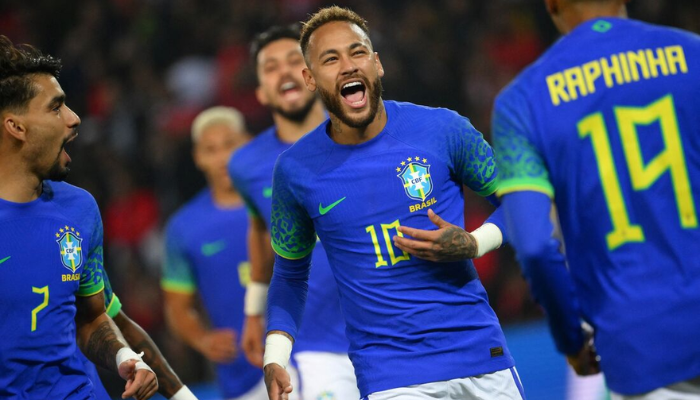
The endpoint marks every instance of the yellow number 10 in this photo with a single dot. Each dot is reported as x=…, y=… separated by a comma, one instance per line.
x=642, y=175
x=381, y=262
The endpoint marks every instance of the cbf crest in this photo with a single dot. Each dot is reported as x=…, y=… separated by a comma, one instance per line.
x=70, y=246
x=415, y=176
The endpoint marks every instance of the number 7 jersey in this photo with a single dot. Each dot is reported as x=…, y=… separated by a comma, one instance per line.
x=607, y=123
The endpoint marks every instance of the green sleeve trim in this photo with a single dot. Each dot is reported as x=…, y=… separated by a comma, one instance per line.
x=292, y=256
x=489, y=189
x=177, y=287
x=115, y=305
x=526, y=185
x=87, y=291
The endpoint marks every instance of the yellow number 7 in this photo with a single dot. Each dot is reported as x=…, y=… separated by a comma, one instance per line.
x=45, y=291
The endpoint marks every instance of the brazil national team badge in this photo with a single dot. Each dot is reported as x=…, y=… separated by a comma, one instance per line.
x=415, y=176
x=69, y=242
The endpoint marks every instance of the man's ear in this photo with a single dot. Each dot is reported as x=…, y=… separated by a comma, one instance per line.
x=261, y=96
x=14, y=125
x=378, y=63
x=309, y=79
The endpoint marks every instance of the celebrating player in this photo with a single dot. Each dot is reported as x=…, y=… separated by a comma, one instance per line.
x=206, y=255
x=605, y=126
x=321, y=351
x=51, y=291
x=417, y=328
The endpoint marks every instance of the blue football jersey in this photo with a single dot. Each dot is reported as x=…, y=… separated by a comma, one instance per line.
x=323, y=327
x=50, y=252
x=606, y=122
x=205, y=252
x=409, y=321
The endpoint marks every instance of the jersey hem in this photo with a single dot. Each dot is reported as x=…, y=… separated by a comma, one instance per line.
x=90, y=291
x=177, y=287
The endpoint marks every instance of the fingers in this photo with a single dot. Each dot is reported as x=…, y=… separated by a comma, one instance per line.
x=149, y=387
x=133, y=385
x=434, y=218
x=278, y=382
x=126, y=369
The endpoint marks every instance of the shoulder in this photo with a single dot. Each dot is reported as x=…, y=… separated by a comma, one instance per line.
x=425, y=124
x=309, y=150
x=190, y=212
x=70, y=197
x=251, y=152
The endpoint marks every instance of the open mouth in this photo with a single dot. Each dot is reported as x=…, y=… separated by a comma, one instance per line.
x=354, y=94
x=290, y=90
x=66, y=143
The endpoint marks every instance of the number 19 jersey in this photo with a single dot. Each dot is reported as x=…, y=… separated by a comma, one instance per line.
x=607, y=123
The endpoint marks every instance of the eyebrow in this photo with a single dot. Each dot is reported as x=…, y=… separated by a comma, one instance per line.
x=57, y=100
x=351, y=47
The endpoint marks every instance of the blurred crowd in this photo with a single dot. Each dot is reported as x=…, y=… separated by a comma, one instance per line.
x=138, y=71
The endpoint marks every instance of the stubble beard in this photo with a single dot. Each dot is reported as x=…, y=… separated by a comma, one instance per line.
x=296, y=115
x=335, y=106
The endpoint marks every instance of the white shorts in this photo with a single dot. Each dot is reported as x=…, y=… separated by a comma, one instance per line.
x=500, y=385
x=326, y=376
x=686, y=390
x=259, y=391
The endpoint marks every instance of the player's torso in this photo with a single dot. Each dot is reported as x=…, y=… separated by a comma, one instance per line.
x=323, y=327
x=42, y=256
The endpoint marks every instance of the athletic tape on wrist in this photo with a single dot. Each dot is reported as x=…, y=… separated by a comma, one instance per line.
x=255, y=298
x=126, y=354
x=278, y=349
x=488, y=237
x=184, y=394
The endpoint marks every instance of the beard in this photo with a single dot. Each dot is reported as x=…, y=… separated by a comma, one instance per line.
x=335, y=106
x=296, y=115
x=57, y=172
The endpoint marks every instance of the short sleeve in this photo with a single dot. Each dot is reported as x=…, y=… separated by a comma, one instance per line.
x=177, y=270
x=92, y=277
x=112, y=303
x=472, y=157
x=520, y=164
x=291, y=228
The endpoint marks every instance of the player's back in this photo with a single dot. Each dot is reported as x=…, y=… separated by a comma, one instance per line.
x=612, y=111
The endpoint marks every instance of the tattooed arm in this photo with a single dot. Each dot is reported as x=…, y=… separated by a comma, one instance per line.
x=168, y=381
x=100, y=340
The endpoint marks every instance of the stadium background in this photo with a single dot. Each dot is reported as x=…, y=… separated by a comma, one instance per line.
x=138, y=71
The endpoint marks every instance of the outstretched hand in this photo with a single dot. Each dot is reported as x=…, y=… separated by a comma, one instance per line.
x=586, y=362
x=140, y=383
x=447, y=243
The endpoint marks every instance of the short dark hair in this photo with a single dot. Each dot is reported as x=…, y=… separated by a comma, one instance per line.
x=274, y=33
x=17, y=65
x=326, y=15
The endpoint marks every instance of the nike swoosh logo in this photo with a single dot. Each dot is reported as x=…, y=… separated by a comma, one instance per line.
x=267, y=192
x=5, y=259
x=323, y=210
x=209, y=249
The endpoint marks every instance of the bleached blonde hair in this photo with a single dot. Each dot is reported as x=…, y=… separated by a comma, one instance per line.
x=217, y=115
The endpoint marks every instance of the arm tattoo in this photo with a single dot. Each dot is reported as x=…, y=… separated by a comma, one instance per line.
x=457, y=244
x=103, y=346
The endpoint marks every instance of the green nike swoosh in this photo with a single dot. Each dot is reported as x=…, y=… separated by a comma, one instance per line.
x=323, y=210
x=5, y=259
x=267, y=192
x=209, y=249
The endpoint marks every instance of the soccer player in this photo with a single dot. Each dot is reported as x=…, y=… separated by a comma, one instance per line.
x=605, y=125
x=321, y=352
x=51, y=286
x=206, y=256
x=169, y=384
x=417, y=328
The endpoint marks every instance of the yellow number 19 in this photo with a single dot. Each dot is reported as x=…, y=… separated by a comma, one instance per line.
x=642, y=175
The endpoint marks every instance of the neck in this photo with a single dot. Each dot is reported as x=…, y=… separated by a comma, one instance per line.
x=290, y=131
x=344, y=134
x=225, y=197
x=579, y=13
x=17, y=185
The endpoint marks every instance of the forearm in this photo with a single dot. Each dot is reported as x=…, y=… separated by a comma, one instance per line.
x=260, y=253
x=186, y=323
x=140, y=341
x=527, y=219
x=287, y=296
x=100, y=340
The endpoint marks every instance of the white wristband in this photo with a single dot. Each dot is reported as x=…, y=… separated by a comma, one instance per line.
x=255, y=298
x=184, y=394
x=488, y=237
x=278, y=349
x=125, y=354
